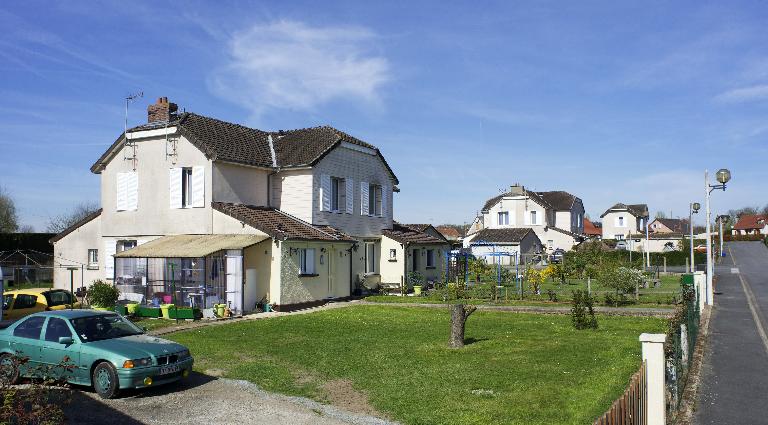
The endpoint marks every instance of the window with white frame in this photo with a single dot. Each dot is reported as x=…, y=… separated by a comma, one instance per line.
x=338, y=194
x=307, y=261
x=186, y=187
x=430, y=258
x=619, y=237
x=374, y=199
x=533, y=218
x=370, y=257
x=621, y=222
x=393, y=254
x=503, y=218
x=93, y=258
x=550, y=244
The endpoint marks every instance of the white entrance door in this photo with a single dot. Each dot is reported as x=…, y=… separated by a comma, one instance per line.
x=235, y=280
x=331, y=271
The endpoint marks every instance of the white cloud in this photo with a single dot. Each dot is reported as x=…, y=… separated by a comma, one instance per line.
x=744, y=94
x=290, y=65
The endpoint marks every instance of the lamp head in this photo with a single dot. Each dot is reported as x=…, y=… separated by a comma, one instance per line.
x=723, y=175
x=696, y=207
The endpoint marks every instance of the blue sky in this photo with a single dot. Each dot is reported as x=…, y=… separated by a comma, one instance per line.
x=612, y=102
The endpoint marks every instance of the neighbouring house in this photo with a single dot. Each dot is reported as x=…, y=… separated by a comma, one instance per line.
x=199, y=211
x=657, y=242
x=751, y=224
x=452, y=235
x=622, y=220
x=669, y=225
x=591, y=231
x=506, y=246
x=412, y=249
x=556, y=217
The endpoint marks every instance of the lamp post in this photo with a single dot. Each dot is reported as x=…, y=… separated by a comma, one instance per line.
x=723, y=176
x=722, y=219
x=72, y=271
x=693, y=208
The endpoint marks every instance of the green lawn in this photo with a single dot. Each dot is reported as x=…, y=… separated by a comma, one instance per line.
x=152, y=324
x=528, y=302
x=519, y=368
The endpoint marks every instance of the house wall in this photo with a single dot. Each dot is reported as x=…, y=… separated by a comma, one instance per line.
x=154, y=216
x=360, y=165
x=432, y=274
x=483, y=251
x=633, y=225
x=292, y=193
x=519, y=209
x=72, y=250
x=559, y=240
x=530, y=244
x=260, y=257
x=239, y=184
x=332, y=278
x=391, y=270
x=656, y=245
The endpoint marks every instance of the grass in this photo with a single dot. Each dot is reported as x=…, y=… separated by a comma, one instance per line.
x=152, y=324
x=517, y=369
x=396, y=299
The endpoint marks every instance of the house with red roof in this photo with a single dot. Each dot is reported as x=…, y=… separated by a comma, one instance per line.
x=591, y=231
x=751, y=224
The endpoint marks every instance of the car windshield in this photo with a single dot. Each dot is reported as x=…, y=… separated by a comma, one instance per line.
x=105, y=326
x=60, y=297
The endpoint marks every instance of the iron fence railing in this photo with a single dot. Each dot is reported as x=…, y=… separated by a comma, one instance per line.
x=681, y=343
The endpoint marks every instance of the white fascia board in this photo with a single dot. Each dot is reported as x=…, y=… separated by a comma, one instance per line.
x=152, y=133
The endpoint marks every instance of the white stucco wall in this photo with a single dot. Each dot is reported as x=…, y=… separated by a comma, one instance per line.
x=292, y=193
x=72, y=250
x=239, y=184
x=332, y=270
x=610, y=228
x=519, y=209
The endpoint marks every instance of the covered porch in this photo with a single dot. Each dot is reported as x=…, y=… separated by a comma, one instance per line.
x=188, y=270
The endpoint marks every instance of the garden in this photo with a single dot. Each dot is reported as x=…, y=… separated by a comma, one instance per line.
x=515, y=368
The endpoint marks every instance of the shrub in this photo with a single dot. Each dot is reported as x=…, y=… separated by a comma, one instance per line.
x=552, y=295
x=102, y=294
x=583, y=312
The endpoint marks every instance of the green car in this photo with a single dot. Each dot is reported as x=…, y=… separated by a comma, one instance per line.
x=86, y=347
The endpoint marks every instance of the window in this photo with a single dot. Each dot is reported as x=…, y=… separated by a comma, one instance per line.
x=30, y=328
x=56, y=329
x=127, y=193
x=621, y=222
x=25, y=301
x=338, y=194
x=619, y=237
x=93, y=258
x=370, y=257
x=125, y=245
x=393, y=255
x=533, y=217
x=186, y=187
x=127, y=267
x=430, y=258
x=550, y=244
x=503, y=218
x=307, y=261
x=374, y=199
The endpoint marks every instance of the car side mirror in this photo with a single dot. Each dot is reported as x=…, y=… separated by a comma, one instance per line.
x=66, y=340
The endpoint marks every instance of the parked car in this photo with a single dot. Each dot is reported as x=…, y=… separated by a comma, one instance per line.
x=557, y=256
x=23, y=302
x=700, y=248
x=108, y=351
x=622, y=245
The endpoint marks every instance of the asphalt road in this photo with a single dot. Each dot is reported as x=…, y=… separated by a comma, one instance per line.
x=735, y=371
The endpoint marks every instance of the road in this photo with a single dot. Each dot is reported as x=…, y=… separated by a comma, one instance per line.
x=734, y=379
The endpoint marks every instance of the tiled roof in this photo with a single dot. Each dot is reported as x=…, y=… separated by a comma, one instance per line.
x=638, y=210
x=533, y=195
x=279, y=224
x=751, y=221
x=411, y=233
x=224, y=141
x=677, y=225
x=565, y=232
x=511, y=235
x=590, y=229
x=559, y=199
x=74, y=227
x=449, y=232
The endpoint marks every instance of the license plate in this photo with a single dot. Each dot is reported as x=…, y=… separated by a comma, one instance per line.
x=165, y=370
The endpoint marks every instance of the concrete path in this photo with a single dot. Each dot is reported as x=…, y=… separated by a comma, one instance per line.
x=734, y=387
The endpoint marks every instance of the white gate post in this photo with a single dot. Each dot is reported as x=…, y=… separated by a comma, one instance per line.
x=700, y=283
x=653, y=356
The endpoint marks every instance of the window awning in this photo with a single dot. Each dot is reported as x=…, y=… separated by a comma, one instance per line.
x=190, y=246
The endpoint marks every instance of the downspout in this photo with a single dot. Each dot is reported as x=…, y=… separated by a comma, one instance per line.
x=405, y=265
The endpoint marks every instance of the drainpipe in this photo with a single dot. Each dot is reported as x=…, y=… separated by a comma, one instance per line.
x=405, y=264
x=351, y=281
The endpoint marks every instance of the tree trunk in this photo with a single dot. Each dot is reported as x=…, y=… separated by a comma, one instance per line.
x=459, y=315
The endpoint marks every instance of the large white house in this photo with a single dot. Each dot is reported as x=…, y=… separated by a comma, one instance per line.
x=622, y=220
x=199, y=210
x=556, y=218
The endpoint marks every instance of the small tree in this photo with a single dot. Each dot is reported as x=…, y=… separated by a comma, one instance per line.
x=535, y=279
x=80, y=211
x=8, y=219
x=583, y=312
x=621, y=279
x=102, y=294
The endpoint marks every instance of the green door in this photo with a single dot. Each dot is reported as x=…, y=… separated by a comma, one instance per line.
x=26, y=342
x=54, y=355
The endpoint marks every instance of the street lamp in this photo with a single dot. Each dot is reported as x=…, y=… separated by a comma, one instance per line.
x=722, y=219
x=723, y=176
x=693, y=208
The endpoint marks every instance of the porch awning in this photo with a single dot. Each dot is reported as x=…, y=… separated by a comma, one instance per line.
x=190, y=246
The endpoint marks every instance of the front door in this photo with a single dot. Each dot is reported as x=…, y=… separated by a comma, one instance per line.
x=54, y=355
x=234, y=271
x=331, y=271
x=415, y=261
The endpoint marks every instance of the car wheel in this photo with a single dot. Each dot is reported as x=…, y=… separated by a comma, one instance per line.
x=9, y=370
x=105, y=380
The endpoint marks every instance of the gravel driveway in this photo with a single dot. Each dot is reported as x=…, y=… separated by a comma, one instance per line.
x=205, y=400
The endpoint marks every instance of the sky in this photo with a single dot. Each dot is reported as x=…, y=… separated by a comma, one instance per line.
x=612, y=101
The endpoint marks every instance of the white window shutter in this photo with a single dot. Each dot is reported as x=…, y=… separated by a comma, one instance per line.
x=310, y=261
x=132, y=191
x=385, y=191
x=120, y=201
x=198, y=187
x=109, y=261
x=325, y=192
x=175, y=187
x=350, y=192
x=364, y=198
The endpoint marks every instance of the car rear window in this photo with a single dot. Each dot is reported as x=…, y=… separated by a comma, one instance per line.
x=59, y=297
x=24, y=301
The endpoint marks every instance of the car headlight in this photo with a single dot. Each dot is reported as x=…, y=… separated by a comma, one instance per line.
x=184, y=354
x=130, y=364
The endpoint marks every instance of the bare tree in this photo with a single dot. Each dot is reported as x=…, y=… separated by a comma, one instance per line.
x=80, y=211
x=27, y=228
x=8, y=219
x=459, y=315
x=661, y=214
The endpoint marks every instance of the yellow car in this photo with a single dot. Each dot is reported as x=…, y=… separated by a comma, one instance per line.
x=22, y=302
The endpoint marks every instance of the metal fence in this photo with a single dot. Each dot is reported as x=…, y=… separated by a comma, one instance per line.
x=681, y=343
x=630, y=408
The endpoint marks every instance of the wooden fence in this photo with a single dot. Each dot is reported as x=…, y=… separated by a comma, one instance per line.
x=629, y=409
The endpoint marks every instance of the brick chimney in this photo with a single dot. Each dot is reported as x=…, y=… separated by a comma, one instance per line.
x=161, y=111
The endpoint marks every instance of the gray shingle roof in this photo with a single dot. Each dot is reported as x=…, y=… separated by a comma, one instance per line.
x=411, y=233
x=533, y=195
x=508, y=235
x=638, y=210
x=559, y=199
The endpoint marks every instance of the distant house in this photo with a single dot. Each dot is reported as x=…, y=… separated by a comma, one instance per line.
x=555, y=217
x=409, y=248
x=751, y=224
x=669, y=225
x=451, y=234
x=622, y=220
x=504, y=245
x=591, y=231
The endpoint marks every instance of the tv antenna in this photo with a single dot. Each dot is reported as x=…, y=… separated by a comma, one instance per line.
x=128, y=144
